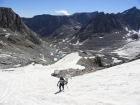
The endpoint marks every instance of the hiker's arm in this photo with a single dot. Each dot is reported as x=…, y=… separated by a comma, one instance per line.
x=65, y=82
x=57, y=83
x=70, y=77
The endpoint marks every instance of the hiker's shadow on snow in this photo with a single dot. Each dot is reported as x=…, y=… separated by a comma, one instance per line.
x=57, y=92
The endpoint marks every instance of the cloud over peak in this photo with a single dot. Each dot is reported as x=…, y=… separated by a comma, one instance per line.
x=62, y=12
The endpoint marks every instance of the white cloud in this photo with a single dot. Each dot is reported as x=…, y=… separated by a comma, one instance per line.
x=62, y=12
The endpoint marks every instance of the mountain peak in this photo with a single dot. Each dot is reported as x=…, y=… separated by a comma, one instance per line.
x=131, y=10
x=5, y=8
x=134, y=7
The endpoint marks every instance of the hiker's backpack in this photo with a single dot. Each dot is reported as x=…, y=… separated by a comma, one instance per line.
x=62, y=81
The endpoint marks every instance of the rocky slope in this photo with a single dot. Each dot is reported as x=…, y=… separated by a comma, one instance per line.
x=19, y=45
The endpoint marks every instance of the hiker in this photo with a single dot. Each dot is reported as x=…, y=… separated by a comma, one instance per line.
x=67, y=76
x=61, y=83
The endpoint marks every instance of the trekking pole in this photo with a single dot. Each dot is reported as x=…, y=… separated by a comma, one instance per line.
x=67, y=86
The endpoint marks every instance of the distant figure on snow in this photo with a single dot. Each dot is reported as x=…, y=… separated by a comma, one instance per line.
x=61, y=83
x=67, y=76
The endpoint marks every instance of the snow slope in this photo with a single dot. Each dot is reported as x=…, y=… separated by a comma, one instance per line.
x=34, y=85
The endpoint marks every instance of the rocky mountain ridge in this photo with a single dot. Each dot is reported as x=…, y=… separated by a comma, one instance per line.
x=57, y=26
x=83, y=25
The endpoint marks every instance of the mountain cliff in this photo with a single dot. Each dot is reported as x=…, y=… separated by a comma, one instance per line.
x=58, y=26
x=102, y=23
x=12, y=21
x=132, y=18
x=19, y=45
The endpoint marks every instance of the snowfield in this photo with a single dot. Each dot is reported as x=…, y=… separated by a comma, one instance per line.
x=34, y=85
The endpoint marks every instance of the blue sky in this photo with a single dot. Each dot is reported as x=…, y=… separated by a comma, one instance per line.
x=30, y=8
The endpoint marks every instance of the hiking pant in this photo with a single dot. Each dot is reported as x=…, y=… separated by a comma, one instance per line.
x=61, y=85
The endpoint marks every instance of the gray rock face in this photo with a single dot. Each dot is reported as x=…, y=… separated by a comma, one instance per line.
x=19, y=45
x=132, y=18
x=11, y=20
x=102, y=23
x=57, y=26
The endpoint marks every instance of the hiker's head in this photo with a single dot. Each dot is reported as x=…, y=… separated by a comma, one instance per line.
x=61, y=78
x=67, y=72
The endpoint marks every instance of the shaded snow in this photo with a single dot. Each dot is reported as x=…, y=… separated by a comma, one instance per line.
x=51, y=53
x=78, y=27
x=55, y=59
x=1, y=42
x=101, y=50
x=34, y=85
x=92, y=57
x=130, y=33
x=77, y=43
x=4, y=55
x=73, y=37
x=7, y=35
x=63, y=40
x=101, y=55
x=126, y=29
x=18, y=65
x=115, y=60
x=42, y=57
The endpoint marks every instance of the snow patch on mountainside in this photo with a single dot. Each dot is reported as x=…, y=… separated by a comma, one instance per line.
x=7, y=35
x=126, y=28
x=131, y=32
x=130, y=50
x=69, y=61
x=115, y=60
x=1, y=42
